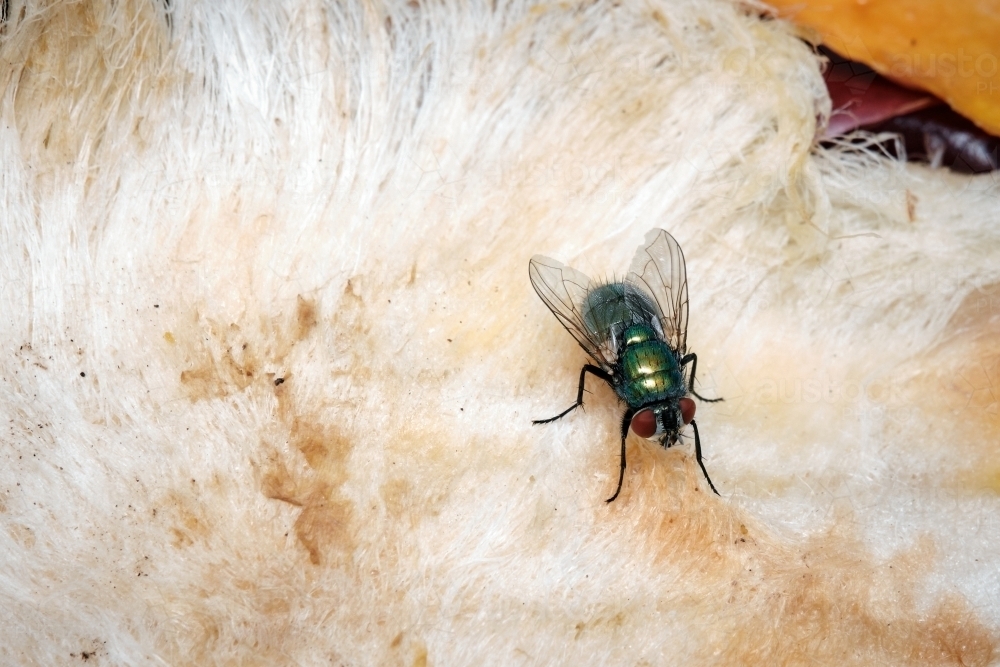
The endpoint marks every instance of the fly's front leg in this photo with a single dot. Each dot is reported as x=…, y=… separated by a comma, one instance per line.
x=626, y=421
x=697, y=456
x=693, y=359
x=593, y=370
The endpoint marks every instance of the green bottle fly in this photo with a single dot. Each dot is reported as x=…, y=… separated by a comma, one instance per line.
x=636, y=331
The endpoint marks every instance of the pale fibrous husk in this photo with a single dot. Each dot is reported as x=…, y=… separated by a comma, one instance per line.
x=271, y=354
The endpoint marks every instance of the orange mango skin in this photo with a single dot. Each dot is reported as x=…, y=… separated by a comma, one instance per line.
x=950, y=48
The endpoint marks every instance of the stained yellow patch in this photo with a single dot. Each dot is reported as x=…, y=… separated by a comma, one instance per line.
x=22, y=535
x=829, y=600
x=79, y=54
x=188, y=522
x=420, y=656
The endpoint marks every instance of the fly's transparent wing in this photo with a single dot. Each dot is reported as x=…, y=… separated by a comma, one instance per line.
x=658, y=267
x=564, y=290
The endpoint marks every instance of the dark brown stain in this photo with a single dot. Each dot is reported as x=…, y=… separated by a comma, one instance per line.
x=325, y=525
x=231, y=360
x=305, y=317
x=234, y=358
x=201, y=382
x=232, y=367
x=188, y=529
x=325, y=448
x=326, y=518
x=279, y=485
x=85, y=656
x=281, y=392
x=180, y=539
x=353, y=288
x=606, y=624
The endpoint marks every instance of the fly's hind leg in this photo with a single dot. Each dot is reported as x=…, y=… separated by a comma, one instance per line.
x=693, y=359
x=593, y=370
x=626, y=422
x=697, y=456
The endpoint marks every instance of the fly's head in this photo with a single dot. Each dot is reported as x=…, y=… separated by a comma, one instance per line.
x=663, y=421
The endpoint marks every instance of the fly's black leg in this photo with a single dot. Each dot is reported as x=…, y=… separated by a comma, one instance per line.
x=593, y=370
x=626, y=422
x=697, y=456
x=693, y=359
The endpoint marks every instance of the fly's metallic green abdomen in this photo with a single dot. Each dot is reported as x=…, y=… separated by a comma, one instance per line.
x=649, y=369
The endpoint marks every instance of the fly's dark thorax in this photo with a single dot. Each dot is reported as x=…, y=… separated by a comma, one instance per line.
x=626, y=322
x=610, y=309
x=649, y=369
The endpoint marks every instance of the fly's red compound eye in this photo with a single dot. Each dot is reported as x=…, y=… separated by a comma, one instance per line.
x=687, y=409
x=644, y=423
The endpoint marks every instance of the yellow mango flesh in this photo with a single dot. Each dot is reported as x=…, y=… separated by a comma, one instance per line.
x=947, y=48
